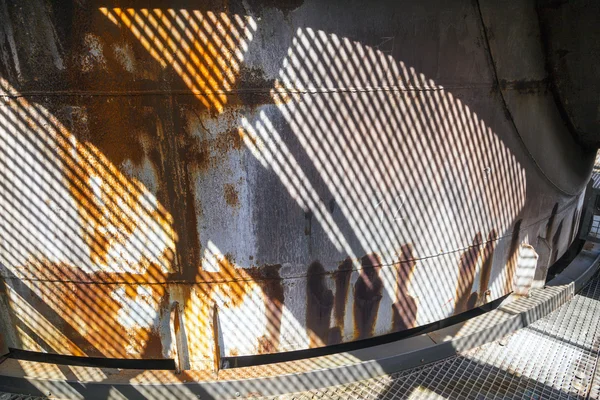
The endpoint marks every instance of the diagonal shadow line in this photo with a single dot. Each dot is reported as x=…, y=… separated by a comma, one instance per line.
x=47, y=311
x=58, y=156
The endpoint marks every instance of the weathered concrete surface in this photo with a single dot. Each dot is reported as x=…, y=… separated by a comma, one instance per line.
x=202, y=181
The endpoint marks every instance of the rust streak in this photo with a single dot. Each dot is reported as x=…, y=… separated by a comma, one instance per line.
x=342, y=285
x=486, y=266
x=513, y=254
x=319, y=303
x=215, y=330
x=367, y=296
x=404, y=310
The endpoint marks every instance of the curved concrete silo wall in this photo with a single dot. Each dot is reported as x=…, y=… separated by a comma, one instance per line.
x=217, y=180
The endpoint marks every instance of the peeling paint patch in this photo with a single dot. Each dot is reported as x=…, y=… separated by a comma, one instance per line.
x=231, y=195
x=94, y=58
x=124, y=55
x=342, y=286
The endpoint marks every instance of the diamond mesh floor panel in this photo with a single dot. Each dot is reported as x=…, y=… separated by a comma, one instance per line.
x=8, y=396
x=554, y=358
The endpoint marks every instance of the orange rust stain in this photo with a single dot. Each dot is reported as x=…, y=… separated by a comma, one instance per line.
x=486, y=267
x=153, y=347
x=112, y=207
x=319, y=303
x=215, y=330
x=265, y=345
x=367, y=296
x=48, y=270
x=231, y=195
x=199, y=325
x=206, y=54
x=234, y=285
x=176, y=321
x=342, y=285
x=404, y=309
x=229, y=140
x=204, y=49
x=118, y=215
x=131, y=292
x=202, y=152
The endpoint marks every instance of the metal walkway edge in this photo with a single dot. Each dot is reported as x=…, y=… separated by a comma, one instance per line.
x=555, y=357
x=551, y=351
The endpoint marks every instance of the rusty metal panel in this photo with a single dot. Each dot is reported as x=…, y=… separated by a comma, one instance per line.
x=218, y=180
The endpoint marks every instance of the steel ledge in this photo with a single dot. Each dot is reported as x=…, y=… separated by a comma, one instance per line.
x=60, y=381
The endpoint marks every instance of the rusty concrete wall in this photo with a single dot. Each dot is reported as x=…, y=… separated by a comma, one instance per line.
x=196, y=181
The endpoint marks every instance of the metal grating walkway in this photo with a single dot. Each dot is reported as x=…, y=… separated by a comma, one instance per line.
x=554, y=358
x=8, y=396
